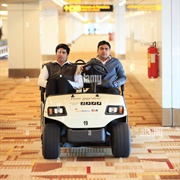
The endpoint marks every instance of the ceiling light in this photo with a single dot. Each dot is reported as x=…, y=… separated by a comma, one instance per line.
x=3, y=13
x=4, y=5
x=104, y=19
x=60, y=2
x=123, y=2
x=77, y=15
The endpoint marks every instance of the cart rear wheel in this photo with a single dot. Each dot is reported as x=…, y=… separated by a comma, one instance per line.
x=42, y=120
x=51, y=141
x=121, y=140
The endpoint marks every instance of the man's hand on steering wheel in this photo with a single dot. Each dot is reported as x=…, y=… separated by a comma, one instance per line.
x=94, y=69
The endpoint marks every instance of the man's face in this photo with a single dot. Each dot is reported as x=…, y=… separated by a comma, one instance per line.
x=61, y=55
x=103, y=51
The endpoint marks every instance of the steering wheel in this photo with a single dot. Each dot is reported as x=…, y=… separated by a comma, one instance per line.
x=80, y=62
x=94, y=72
x=95, y=69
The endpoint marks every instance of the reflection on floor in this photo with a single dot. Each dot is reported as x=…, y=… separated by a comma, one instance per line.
x=155, y=149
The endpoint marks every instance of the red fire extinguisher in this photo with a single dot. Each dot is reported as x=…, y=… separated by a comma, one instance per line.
x=153, y=61
x=110, y=36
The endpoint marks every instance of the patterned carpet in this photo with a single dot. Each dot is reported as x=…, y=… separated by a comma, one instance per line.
x=155, y=150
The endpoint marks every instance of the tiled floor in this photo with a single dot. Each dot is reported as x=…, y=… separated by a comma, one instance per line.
x=155, y=152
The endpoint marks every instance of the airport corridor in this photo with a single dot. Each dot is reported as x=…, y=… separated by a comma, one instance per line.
x=155, y=152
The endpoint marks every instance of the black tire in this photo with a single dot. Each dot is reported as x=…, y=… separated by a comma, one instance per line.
x=51, y=141
x=42, y=120
x=120, y=140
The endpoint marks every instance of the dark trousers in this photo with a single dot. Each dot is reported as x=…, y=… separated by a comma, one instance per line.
x=104, y=90
x=59, y=86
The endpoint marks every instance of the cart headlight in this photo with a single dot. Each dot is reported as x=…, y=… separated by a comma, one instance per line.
x=57, y=111
x=114, y=110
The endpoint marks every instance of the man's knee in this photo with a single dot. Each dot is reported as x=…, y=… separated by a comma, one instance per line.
x=113, y=91
x=51, y=87
x=64, y=87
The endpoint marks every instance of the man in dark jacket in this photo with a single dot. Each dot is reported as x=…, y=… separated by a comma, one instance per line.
x=60, y=76
x=115, y=76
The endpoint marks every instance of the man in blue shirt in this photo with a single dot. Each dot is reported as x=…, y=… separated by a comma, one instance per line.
x=116, y=75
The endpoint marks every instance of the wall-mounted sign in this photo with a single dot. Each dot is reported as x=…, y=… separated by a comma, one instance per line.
x=144, y=7
x=87, y=8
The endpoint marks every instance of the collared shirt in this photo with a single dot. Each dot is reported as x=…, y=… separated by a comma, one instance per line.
x=104, y=62
x=44, y=75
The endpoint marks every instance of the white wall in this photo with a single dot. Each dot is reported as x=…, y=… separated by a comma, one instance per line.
x=48, y=31
x=146, y=26
x=23, y=36
x=74, y=28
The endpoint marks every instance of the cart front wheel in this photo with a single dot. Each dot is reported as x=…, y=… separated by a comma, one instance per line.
x=51, y=141
x=120, y=140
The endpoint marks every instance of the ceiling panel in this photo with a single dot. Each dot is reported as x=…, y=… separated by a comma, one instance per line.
x=46, y=3
x=49, y=4
x=17, y=1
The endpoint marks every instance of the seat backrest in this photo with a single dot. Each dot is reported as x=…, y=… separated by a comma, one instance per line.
x=122, y=89
x=42, y=91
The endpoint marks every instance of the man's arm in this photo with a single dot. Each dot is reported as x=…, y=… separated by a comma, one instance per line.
x=121, y=76
x=42, y=80
x=78, y=80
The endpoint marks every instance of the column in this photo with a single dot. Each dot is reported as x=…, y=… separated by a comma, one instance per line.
x=120, y=36
x=171, y=62
x=62, y=28
x=23, y=40
x=67, y=22
x=69, y=27
x=49, y=33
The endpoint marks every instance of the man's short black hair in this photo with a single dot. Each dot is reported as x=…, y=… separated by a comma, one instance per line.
x=104, y=42
x=63, y=46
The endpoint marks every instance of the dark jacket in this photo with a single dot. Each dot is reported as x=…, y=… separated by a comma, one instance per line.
x=67, y=70
x=116, y=75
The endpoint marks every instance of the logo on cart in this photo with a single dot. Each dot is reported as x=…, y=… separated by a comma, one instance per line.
x=81, y=110
x=94, y=110
x=90, y=103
